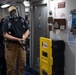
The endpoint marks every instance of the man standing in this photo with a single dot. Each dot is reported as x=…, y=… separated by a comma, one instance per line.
x=15, y=30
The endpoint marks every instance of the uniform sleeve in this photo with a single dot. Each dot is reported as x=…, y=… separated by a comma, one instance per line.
x=5, y=26
x=26, y=25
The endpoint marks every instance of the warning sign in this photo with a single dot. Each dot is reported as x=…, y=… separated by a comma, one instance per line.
x=44, y=45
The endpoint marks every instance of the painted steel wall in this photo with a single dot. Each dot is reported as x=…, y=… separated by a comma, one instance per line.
x=70, y=51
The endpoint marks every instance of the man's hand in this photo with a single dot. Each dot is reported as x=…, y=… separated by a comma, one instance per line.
x=22, y=41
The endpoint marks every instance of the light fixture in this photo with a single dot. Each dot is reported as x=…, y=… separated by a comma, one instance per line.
x=26, y=9
x=5, y=5
x=26, y=3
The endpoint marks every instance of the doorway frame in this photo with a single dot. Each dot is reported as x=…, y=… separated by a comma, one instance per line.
x=33, y=4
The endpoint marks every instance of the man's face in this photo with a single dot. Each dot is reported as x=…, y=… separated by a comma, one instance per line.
x=13, y=14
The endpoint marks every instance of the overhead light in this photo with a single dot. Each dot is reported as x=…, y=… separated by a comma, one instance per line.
x=5, y=5
x=26, y=3
x=26, y=9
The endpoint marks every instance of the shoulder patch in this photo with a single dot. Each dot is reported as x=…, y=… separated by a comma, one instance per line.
x=9, y=24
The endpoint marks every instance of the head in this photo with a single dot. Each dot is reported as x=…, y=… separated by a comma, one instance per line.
x=12, y=12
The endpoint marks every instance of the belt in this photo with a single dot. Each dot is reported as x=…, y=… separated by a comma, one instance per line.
x=16, y=42
x=8, y=41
